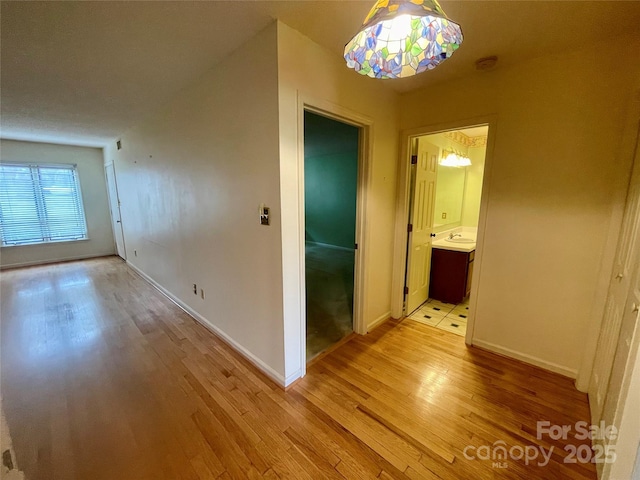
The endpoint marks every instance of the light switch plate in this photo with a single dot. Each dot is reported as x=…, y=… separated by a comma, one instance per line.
x=264, y=214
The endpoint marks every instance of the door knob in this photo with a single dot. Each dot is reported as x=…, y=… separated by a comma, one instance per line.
x=433, y=234
x=635, y=308
x=118, y=221
x=619, y=276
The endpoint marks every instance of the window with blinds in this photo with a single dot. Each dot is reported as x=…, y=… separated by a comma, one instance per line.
x=40, y=204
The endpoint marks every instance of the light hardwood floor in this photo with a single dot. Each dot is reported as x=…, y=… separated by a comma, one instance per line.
x=104, y=378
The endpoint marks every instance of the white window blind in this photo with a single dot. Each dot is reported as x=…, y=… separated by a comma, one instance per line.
x=39, y=204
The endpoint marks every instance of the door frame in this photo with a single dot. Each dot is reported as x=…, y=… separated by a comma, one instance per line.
x=402, y=211
x=114, y=223
x=365, y=151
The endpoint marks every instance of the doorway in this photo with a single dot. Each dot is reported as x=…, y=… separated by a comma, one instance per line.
x=331, y=157
x=446, y=173
x=114, y=207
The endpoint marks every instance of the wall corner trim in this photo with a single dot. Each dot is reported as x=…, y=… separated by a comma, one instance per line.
x=526, y=358
x=292, y=378
x=255, y=361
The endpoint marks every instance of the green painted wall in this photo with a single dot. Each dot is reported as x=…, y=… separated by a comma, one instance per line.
x=330, y=176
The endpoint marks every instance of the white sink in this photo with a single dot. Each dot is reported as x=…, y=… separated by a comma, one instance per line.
x=460, y=240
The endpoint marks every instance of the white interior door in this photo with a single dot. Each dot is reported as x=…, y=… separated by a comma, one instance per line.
x=114, y=206
x=617, y=401
x=621, y=315
x=620, y=407
x=419, y=251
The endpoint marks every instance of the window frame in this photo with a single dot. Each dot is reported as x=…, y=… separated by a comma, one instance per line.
x=34, y=168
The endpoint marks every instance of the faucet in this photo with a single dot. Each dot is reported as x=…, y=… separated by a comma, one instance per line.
x=454, y=235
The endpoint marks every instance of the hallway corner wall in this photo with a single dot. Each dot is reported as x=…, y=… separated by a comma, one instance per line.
x=191, y=178
x=305, y=69
x=552, y=179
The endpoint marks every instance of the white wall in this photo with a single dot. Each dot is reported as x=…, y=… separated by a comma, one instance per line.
x=94, y=198
x=473, y=187
x=306, y=69
x=554, y=168
x=191, y=178
x=448, y=178
x=450, y=187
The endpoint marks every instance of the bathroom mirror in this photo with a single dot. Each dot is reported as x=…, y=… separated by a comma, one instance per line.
x=449, y=197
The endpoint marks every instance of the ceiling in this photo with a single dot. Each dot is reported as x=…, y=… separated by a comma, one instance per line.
x=475, y=131
x=84, y=72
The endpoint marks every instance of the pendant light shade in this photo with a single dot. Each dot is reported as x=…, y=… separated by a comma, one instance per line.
x=401, y=38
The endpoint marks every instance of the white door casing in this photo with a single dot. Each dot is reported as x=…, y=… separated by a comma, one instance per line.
x=114, y=207
x=361, y=324
x=419, y=251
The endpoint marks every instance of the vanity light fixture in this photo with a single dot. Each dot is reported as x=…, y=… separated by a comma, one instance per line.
x=401, y=38
x=453, y=159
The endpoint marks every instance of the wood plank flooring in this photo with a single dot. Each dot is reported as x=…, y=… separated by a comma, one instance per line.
x=104, y=378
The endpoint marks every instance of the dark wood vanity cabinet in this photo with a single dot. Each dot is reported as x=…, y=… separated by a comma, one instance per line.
x=451, y=272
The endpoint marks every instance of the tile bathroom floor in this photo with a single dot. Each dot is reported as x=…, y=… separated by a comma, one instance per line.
x=446, y=316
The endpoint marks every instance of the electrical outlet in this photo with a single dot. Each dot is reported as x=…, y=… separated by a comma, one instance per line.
x=195, y=289
x=202, y=293
x=444, y=215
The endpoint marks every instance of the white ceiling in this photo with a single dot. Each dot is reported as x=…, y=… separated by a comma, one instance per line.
x=83, y=72
x=475, y=131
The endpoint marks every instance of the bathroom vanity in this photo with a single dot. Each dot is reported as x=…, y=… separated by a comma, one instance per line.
x=451, y=271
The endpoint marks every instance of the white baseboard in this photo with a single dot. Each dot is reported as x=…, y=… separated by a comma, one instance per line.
x=292, y=378
x=378, y=321
x=255, y=361
x=327, y=245
x=56, y=260
x=526, y=358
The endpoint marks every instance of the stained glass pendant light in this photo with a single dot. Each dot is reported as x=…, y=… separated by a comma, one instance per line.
x=400, y=38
